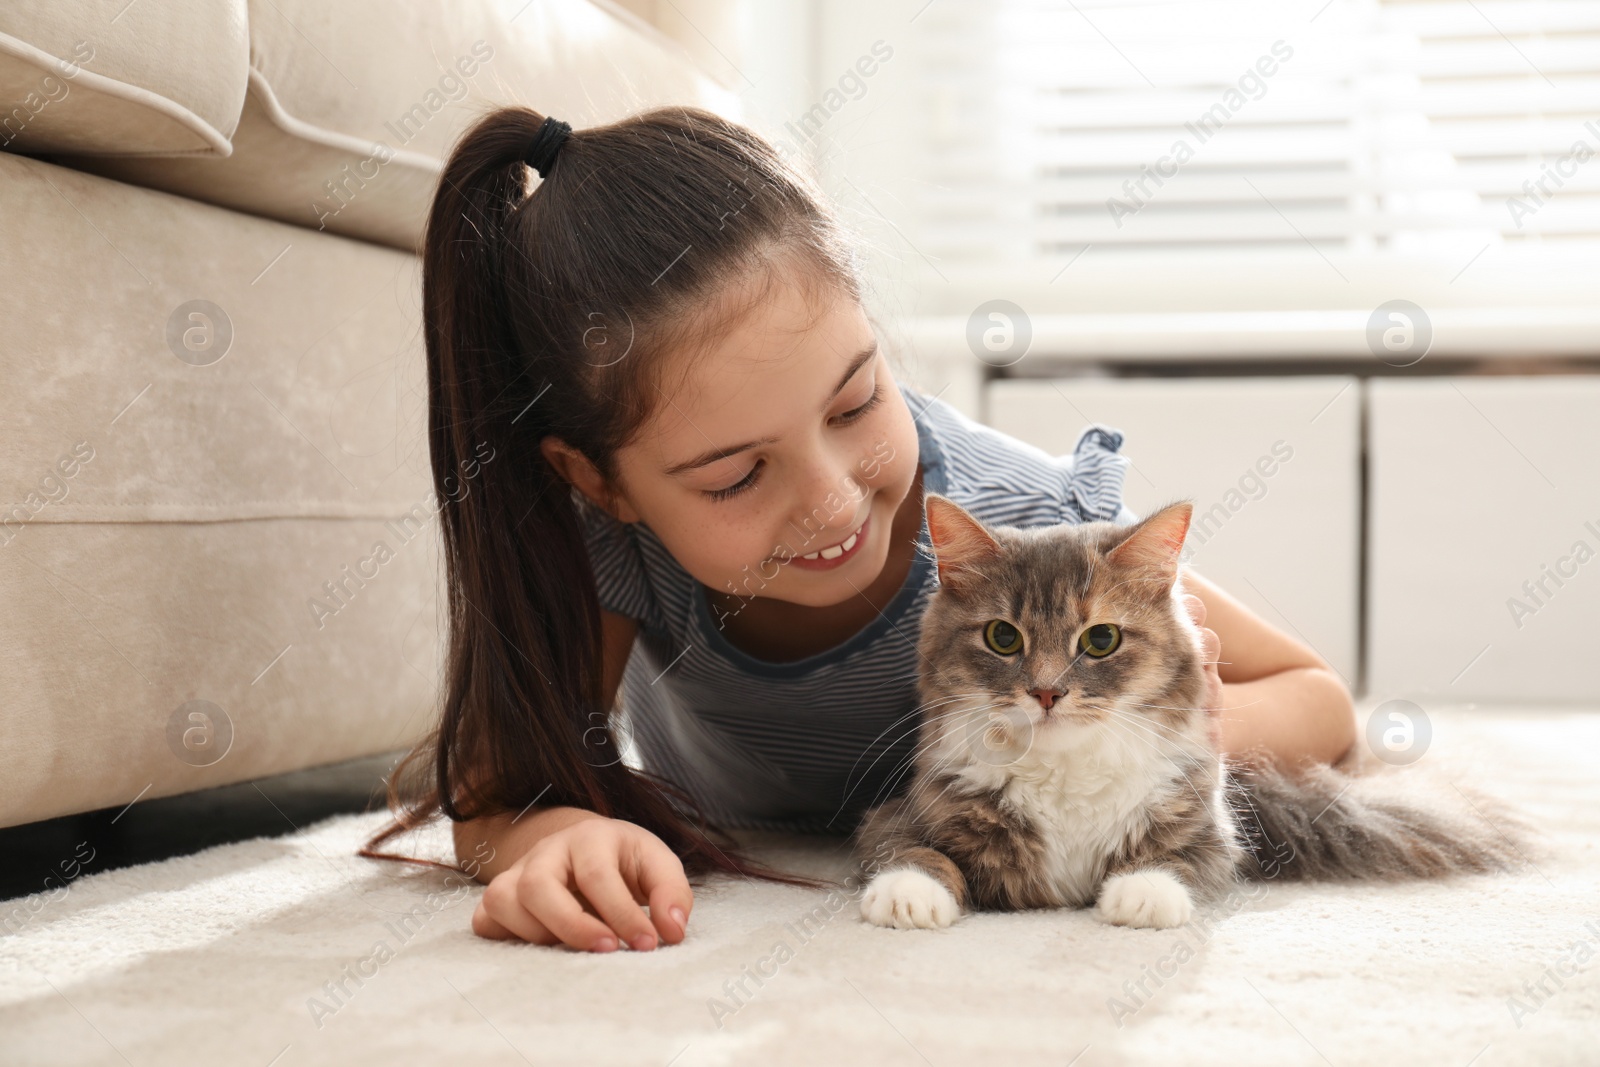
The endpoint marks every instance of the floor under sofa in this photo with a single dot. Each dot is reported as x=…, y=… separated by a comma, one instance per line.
x=287, y=949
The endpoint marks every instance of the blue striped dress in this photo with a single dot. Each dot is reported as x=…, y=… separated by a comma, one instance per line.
x=809, y=745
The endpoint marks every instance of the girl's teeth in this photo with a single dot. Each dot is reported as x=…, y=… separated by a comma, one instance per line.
x=836, y=551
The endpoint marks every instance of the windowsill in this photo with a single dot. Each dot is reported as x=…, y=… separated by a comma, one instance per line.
x=1272, y=335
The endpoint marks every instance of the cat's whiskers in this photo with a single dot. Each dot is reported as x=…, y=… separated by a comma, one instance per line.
x=910, y=814
x=914, y=814
x=932, y=772
x=922, y=747
x=1148, y=724
x=1126, y=720
x=945, y=714
x=943, y=735
x=917, y=712
x=1165, y=707
x=914, y=713
x=1123, y=720
x=1124, y=705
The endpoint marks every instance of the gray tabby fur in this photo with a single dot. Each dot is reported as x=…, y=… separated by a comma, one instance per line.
x=1116, y=796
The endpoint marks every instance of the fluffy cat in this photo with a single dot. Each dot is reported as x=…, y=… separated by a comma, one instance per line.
x=1064, y=757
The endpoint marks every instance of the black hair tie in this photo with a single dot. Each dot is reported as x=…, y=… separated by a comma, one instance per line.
x=546, y=143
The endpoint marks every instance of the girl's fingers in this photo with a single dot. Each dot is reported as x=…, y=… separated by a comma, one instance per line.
x=500, y=914
x=661, y=879
x=1197, y=608
x=1211, y=652
x=602, y=884
x=484, y=926
x=592, y=901
x=543, y=892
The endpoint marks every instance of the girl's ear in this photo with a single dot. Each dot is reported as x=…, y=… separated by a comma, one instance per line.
x=960, y=543
x=574, y=467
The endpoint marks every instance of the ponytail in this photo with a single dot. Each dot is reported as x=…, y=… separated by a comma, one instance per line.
x=511, y=282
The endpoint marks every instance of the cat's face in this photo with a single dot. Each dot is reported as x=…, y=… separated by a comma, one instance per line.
x=1037, y=635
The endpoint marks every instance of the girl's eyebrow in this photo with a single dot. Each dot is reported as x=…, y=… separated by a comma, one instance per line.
x=856, y=364
x=711, y=455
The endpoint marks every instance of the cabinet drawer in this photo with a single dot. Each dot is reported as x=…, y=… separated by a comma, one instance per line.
x=1484, y=576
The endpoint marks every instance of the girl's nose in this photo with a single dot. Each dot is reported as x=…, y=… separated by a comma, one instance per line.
x=830, y=499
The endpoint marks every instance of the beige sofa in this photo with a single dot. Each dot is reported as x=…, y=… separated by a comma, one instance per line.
x=218, y=543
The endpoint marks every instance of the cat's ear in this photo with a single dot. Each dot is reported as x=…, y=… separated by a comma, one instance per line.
x=1156, y=541
x=960, y=543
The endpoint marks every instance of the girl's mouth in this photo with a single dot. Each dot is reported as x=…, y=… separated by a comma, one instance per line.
x=836, y=555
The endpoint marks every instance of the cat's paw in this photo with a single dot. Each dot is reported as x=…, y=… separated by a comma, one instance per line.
x=1152, y=898
x=909, y=898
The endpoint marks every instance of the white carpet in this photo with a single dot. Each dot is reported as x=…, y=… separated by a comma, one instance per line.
x=216, y=958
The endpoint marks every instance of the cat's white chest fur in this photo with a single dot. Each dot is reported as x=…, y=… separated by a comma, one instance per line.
x=1085, y=793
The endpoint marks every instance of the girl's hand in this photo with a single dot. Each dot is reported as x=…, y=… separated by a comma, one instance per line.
x=583, y=886
x=1211, y=652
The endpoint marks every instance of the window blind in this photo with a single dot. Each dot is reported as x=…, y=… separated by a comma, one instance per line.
x=1142, y=127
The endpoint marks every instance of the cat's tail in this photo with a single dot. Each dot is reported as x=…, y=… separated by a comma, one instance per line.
x=1319, y=823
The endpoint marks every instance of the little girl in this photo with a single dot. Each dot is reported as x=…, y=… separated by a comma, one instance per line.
x=692, y=478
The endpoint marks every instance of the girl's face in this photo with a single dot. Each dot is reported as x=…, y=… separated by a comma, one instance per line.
x=788, y=438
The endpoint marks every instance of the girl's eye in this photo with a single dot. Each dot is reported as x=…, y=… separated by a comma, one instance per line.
x=855, y=413
x=1100, y=639
x=1003, y=637
x=738, y=487
x=749, y=480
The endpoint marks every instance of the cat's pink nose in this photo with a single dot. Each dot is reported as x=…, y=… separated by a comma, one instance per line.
x=1045, y=697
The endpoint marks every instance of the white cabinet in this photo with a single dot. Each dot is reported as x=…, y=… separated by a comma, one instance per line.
x=1484, y=574
x=1272, y=465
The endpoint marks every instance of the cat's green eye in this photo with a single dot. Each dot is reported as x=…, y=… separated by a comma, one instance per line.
x=1101, y=639
x=1002, y=637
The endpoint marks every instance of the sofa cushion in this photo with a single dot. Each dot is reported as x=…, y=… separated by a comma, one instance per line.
x=352, y=107
x=157, y=77
x=215, y=421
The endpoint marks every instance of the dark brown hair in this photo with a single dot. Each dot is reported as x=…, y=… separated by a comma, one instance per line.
x=553, y=312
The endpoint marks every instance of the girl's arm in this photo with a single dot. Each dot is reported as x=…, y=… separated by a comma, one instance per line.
x=1277, y=693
